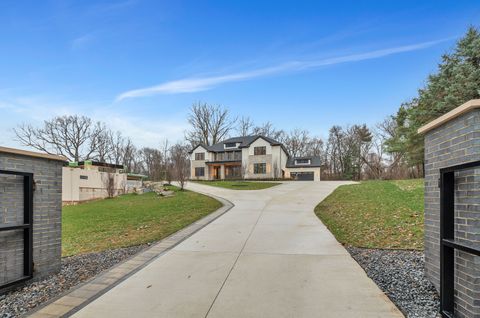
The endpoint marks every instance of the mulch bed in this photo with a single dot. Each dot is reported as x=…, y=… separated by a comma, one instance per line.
x=75, y=270
x=400, y=274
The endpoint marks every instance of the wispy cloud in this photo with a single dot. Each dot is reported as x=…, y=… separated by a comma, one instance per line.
x=82, y=41
x=196, y=84
x=103, y=8
x=35, y=109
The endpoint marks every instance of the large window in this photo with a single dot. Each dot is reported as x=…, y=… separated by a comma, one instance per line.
x=302, y=161
x=257, y=151
x=200, y=156
x=199, y=172
x=259, y=168
x=230, y=145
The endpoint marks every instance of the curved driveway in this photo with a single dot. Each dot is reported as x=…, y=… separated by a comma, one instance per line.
x=269, y=256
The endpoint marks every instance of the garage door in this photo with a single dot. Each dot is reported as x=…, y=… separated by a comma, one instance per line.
x=303, y=176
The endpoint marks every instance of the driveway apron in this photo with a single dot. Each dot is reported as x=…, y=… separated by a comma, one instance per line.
x=269, y=256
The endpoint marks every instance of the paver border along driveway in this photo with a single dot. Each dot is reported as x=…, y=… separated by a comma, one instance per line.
x=269, y=256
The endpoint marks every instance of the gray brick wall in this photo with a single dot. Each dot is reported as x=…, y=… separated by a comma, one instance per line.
x=47, y=210
x=453, y=143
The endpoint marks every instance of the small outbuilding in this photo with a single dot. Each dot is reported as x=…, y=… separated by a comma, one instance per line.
x=452, y=209
x=91, y=180
x=30, y=215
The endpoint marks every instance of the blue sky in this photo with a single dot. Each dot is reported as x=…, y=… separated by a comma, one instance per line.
x=138, y=65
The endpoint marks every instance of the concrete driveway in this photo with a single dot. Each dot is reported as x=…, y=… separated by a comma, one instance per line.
x=269, y=256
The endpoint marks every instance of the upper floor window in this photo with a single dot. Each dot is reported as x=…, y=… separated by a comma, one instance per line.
x=259, y=168
x=230, y=145
x=302, y=161
x=200, y=156
x=257, y=151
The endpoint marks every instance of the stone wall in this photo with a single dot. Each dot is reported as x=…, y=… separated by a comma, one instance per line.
x=47, y=209
x=455, y=142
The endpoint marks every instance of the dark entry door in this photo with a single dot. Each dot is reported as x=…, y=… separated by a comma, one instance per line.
x=454, y=201
x=16, y=217
x=216, y=173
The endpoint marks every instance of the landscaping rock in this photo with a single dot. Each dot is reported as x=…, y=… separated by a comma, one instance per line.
x=400, y=274
x=75, y=270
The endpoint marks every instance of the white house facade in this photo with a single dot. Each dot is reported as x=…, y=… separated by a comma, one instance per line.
x=250, y=157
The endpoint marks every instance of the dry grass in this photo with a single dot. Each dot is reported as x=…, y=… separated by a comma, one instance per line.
x=130, y=220
x=376, y=214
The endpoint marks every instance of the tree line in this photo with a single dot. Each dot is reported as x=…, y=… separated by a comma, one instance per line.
x=391, y=149
x=456, y=81
x=79, y=138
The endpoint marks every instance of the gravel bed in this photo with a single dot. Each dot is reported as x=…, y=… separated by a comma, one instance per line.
x=400, y=274
x=75, y=270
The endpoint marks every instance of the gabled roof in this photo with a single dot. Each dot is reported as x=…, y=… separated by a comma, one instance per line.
x=199, y=145
x=244, y=142
x=315, y=161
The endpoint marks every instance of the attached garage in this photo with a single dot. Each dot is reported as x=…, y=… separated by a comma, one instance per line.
x=303, y=176
x=303, y=168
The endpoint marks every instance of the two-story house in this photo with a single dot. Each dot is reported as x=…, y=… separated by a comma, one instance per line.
x=250, y=157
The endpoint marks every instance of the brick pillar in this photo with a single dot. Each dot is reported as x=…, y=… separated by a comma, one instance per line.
x=451, y=140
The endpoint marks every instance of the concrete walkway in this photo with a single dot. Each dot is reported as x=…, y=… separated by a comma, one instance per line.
x=269, y=256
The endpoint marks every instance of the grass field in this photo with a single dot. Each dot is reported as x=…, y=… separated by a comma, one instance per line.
x=130, y=220
x=376, y=214
x=239, y=185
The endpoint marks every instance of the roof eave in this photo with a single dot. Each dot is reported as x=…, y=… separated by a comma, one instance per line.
x=454, y=113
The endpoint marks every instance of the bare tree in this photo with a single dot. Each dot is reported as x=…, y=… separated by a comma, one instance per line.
x=267, y=130
x=315, y=147
x=297, y=142
x=210, y=124
x=151, y=160
x=103, y=147
x=166, y=161
x=75, y=137
x=245, y=126
x=117, y=148
x=129, y=157
x=179, y=156
x=109, y=183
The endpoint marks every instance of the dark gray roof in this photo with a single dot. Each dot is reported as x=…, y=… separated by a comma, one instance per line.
x=244, y=142
x=314, y=162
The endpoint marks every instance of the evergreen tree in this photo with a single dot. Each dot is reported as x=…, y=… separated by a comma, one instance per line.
x=456, y=81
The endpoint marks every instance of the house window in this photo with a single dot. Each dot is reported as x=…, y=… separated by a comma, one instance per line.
x=258, y=151
x=302, y=161
x=259, y=168
x=230, y=145
x=199, y=172
x=84, y=177
x=200, y=156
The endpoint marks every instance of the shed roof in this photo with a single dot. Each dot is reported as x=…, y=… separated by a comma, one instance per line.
x=454, y=113
x=22, y=152
x=315, y=161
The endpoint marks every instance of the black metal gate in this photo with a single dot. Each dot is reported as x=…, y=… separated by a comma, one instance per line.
x=26, y=226
x=448, y=244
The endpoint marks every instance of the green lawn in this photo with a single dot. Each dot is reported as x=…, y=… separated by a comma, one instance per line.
x=239, y=185
x=130, y=220
x=376, y=214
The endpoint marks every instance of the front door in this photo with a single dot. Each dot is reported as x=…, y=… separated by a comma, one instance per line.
x=216, y=173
